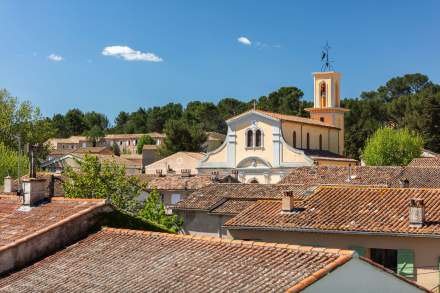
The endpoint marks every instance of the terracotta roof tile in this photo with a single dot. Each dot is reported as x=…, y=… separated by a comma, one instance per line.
x=347, y=209
x=433, y=162
x=175, y=182
x=212, y=195
x=299, y=119
x=16, y=224
x=364, y=175
x=135, y=261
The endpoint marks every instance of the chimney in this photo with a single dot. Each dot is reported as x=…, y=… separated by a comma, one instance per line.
x=235, y=174
x=7, y=184
x=416, y=212
x=214, y=176
x=159, y=172
x=349, y=172
x=404, y=183
x=287, y=202
x=34, y=191
x=185, y=172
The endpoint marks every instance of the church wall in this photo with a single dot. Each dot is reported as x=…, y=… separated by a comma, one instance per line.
x=265, y=152
x=314, y=132
x=219, y=156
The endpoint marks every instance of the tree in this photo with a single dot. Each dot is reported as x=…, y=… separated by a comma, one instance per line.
x=182, y=136
x=59, y=124
x=154, y=210
x=95, y=135
x=230, y=107
x=158, y=116
x=93, y=118
x=392, y=147
x=206, y=115
x=75, y=122
x=145, y=139
x=9, y=162
x=286, y=100
x=97, y=179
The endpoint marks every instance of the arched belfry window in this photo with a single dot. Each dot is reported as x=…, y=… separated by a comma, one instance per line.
x=320, y=142
x=308, y=140
x=294, y=139
x=258, y=138
x=323, y=94
x=250, y=138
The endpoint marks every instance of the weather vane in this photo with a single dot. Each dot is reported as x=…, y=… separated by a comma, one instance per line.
x=326, y=62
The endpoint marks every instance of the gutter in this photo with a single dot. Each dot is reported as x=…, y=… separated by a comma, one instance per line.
x=306, y=230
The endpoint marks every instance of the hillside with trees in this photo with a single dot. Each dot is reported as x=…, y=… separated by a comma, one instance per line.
x=411, y=101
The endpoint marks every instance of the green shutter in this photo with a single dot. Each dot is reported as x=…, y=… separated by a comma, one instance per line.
x=359, y=250
x=405, y=263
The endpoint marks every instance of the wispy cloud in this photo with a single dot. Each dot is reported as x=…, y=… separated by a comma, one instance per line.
x=244, y=41
x=55, y=57
x=129, y=54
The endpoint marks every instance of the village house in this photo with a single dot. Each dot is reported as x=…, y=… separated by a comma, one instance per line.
x=206, y=210
x=141, y=261
x=263, y=146
x=175, y=163
x=398, y=228
x=176, y=187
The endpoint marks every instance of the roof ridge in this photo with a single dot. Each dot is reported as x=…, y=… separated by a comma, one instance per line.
x=341, y=252
x=347, y=186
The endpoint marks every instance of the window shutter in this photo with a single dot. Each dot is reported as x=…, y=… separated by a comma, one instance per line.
x=359, y=250
x=405, y=263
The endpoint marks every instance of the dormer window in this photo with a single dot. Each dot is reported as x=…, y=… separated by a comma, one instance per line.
x=254, y=138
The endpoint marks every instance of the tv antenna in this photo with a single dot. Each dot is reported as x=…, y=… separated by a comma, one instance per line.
x=325, y=59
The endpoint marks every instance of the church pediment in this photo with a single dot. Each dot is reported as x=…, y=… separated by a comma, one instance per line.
x=253, y=163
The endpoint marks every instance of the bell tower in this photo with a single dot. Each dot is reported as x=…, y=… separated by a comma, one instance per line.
x=326, y=103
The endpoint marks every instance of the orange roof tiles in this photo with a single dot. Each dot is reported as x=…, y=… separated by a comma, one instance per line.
x=135, y=261
x=425, y=162
x=16, y=224
x=347, y=209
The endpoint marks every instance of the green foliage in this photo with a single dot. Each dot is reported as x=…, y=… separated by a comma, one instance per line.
x=102, y=180
x=182, y=136
x=286, y=100
x=9, y=162
x=143, y=140
x=154, y=211
x=21, y=119
x=116, y=150
x=410, y=101
x=392, y=147
x=125, y=220
x=95, y=135
x=206, y=115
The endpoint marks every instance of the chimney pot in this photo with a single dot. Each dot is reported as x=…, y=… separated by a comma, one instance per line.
x=159, y=172
x=416, y=212
x=214, y=176
x=7, y=184
x=287, y=204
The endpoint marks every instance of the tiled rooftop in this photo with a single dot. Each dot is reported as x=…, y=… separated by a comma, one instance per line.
x=363, y=175
x=426, y=162
x=213, y=195
x=15, y=224
x=347, y=209
x=137, y=261
x=175, y=182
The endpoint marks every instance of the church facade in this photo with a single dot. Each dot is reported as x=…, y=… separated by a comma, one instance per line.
x=262, y=146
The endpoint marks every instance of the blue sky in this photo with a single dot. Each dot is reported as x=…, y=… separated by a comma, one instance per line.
x=195, y=53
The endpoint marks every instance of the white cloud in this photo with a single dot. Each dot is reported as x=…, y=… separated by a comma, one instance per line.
x=129, y=54
x=55, y=58
x=244, y=41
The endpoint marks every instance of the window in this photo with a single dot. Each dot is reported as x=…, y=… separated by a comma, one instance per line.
x=323, y=94
x=250, y=139
x=320, y=142
x=294, y=139
x=175, y=198
x=308, y=140
x=321, y=119
x=385, y=257
x=258, y=138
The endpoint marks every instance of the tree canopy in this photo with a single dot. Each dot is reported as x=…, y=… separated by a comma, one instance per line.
x=392, y=147
x=145, y=139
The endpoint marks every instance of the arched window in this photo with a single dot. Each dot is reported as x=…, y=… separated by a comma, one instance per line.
x=323, y=94
x=294, y=139
x=308, y=140
x=258, y=138
x=250, y=139
x=320, y=142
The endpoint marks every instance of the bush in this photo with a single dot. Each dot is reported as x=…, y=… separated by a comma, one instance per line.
x=9, y=163
x=392, y=147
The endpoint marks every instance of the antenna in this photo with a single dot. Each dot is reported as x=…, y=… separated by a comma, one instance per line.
x=326, y=62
